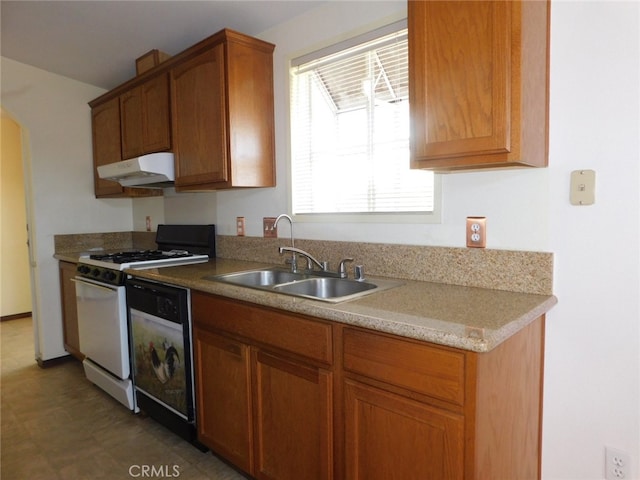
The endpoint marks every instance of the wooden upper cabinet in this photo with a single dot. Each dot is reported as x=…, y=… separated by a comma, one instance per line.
x=107, y=148
x=199, y=123
x=105, y=119
x=145, y=120
x=212, y=105
x=479, y=84
x=223, y=115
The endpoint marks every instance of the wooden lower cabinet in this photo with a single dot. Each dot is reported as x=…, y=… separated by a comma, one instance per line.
x=223, y=396
x=262, y=406
x=289, y=397
x=69, y=310
x=293, y=423
x=391, y=436
x=415, y=410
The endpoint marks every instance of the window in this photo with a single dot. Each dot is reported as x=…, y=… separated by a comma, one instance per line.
x=350, y=130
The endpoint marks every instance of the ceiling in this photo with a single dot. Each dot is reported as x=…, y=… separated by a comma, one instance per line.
x=97, y=42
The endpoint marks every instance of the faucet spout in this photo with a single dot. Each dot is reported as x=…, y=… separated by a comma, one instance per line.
x=342, y=269
x=294, y=258
x=280, y=217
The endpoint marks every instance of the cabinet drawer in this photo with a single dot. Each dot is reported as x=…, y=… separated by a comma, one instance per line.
x=425, y=369
x=290, y=332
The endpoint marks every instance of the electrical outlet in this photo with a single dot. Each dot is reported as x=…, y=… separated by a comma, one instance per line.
x=476, y=232
x=617, y=464
x=240, y=226
x=268, y=229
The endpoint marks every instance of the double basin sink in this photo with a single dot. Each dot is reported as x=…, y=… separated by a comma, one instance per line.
x=306, y=285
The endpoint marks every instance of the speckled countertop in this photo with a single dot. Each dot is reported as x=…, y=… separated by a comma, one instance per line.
x=470, y=318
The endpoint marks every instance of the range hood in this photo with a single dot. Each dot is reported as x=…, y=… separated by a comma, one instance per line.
x=155, y=170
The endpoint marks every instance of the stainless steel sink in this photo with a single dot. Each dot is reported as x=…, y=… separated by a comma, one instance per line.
x=258, y=278
x=316, y=287
x=325, y=287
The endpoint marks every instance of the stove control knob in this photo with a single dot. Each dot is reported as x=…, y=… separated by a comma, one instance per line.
x=95, y=272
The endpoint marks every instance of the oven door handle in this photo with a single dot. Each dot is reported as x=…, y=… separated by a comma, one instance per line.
x=94, y=284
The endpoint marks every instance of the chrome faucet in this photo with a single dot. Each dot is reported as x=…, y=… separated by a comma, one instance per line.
x=342, y=268
x=310, y=260
x=323, y=266
x=294, y=258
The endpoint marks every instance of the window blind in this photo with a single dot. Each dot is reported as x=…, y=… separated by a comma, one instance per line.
x=350, y=132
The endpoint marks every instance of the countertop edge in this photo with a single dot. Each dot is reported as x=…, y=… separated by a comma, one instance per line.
x=358, y=312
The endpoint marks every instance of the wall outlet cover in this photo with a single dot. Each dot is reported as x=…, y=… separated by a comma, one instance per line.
x=476, y=232
x=268, y=228
x=240, y=226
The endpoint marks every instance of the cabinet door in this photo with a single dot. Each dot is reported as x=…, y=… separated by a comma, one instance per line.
x=105, y=124
x=251, y=113
x=222, y=396
x=293, y=419
x=157, y=118
x=390, y=436
x=131, y=126
x=478, y=84
x=460, y=61
x=145, y=122
x=198, y=119
x=105, y=119
x=69, y=309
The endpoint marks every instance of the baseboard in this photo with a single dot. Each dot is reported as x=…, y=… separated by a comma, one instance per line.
x=52, y=362
x=15, y=316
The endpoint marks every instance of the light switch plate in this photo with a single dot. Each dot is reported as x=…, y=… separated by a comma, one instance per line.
x=583, y=187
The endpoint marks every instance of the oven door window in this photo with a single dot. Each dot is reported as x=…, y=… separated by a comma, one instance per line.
x=158, y=360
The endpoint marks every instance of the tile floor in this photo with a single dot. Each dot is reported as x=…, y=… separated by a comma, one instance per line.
x=57, y=425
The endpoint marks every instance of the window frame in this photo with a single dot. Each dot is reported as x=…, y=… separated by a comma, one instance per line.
x=326, y=48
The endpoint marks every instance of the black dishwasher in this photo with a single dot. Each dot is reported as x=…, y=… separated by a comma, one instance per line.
x=161, y=359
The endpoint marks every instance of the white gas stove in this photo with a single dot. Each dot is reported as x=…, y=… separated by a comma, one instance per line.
x=177, y=245
x=101, y=301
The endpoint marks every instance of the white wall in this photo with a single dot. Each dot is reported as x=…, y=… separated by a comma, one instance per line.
x=55, y=119
x=592, y=371
x=491, y=194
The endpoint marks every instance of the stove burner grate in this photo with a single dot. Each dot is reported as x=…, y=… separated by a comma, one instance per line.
x=140, y=256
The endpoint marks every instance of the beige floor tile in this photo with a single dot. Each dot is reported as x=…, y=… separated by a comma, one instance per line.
x=58, y=426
